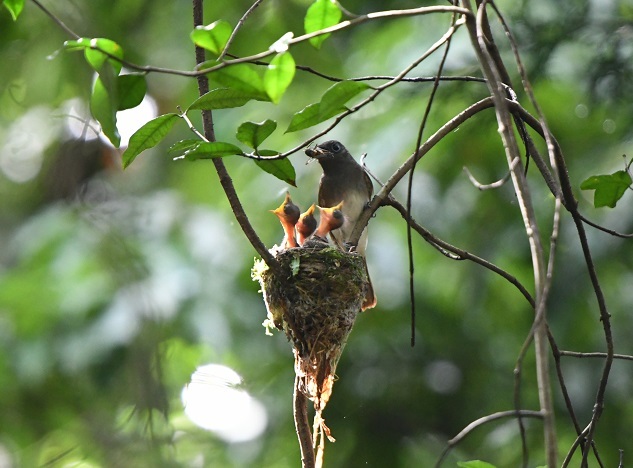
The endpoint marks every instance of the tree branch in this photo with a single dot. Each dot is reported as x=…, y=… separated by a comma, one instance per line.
x=225, y=178
x=302, y=426
x=480, y=422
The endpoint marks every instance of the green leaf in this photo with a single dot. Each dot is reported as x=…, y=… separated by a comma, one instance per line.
x=321, y=14
x=241, y=77
x=131, y=90
x=212, y=37
x=15, y=7
x=279, y=75
x=96, y=57
x=310, y=116
x=78, y=44
x=211, y=150
x=338, y=94
x=148, y=136
x=221, y=98
x=182, y=146
x=475, y=464
x=103, y=108
x=253, y=134
x=609, y=188
x=280, y=168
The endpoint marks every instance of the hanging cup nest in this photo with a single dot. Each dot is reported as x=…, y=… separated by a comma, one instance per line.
x=315, y=302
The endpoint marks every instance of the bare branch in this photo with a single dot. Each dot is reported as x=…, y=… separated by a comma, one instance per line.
x=302, y=425
x=485, y=420
x=381, y=197
x=492, y=185
x=225, y=179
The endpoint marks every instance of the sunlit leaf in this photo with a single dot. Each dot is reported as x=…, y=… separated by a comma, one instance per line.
x=77, y=44
x=310, y=116
x=212, y=37
x=280, y=168
x=100, y=52
x=475, y=464
x=321, y=14
x=241, y=77
x=608, y=188
x=279, y=75
x=211, y=150
x=253, y=134
x=338, y=94
x=148, y=136
x=181, y=146
x=15, y=7
x=131, y=90
x=221, y=98
x=103, y=106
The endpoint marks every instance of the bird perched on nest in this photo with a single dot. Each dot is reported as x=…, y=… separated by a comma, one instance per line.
x=306, y=225
x=344, y=180
x=288, y=214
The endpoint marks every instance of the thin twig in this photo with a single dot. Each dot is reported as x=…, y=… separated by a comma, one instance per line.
x=418, y=142
x=458, y=254
x=237, y=28
x=480, y=422
x=305, y=37
x=376, y=93
x=481, y=39
x=492, y=185
x=381, y=197
x=58, y=21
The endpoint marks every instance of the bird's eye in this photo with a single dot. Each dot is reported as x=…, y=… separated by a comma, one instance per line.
x=336, y=147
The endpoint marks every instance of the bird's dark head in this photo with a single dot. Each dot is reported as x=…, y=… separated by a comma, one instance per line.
x=329, y=153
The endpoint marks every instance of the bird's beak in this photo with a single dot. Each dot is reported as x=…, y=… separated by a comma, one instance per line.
x=316, y=152
x=309, y=211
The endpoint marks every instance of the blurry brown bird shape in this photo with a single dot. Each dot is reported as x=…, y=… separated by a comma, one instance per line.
x=305, y=225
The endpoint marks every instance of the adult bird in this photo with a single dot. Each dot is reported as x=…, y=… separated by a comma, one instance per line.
x=344, y=180
x=288, y=214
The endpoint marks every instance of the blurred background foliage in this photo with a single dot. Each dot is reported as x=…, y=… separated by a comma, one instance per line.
x=116, y=286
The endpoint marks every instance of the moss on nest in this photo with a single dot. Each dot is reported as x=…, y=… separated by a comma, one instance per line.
x=315, y=301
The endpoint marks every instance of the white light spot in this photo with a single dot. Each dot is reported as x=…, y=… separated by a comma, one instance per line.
x=443, y=376
x=581, y=111
x=608, y=126
x=25, y=141
x=213, y=402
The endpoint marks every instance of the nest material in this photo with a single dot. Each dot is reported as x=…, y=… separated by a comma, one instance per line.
x=315, y=302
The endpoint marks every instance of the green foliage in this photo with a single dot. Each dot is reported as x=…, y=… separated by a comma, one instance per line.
x=321, y=14
x=222, y=98
x=279, y=75
x=104, y=103
x=475, y=464
x=240, y=77
x=280, y=168
x=131, y=90
x=212, y=37
x=331, y=104
x=608, y=188
x=112, y=295
x=14, y=6
x=253, y=134
x=211, y=150
x=110, y=92
x=148, y=136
